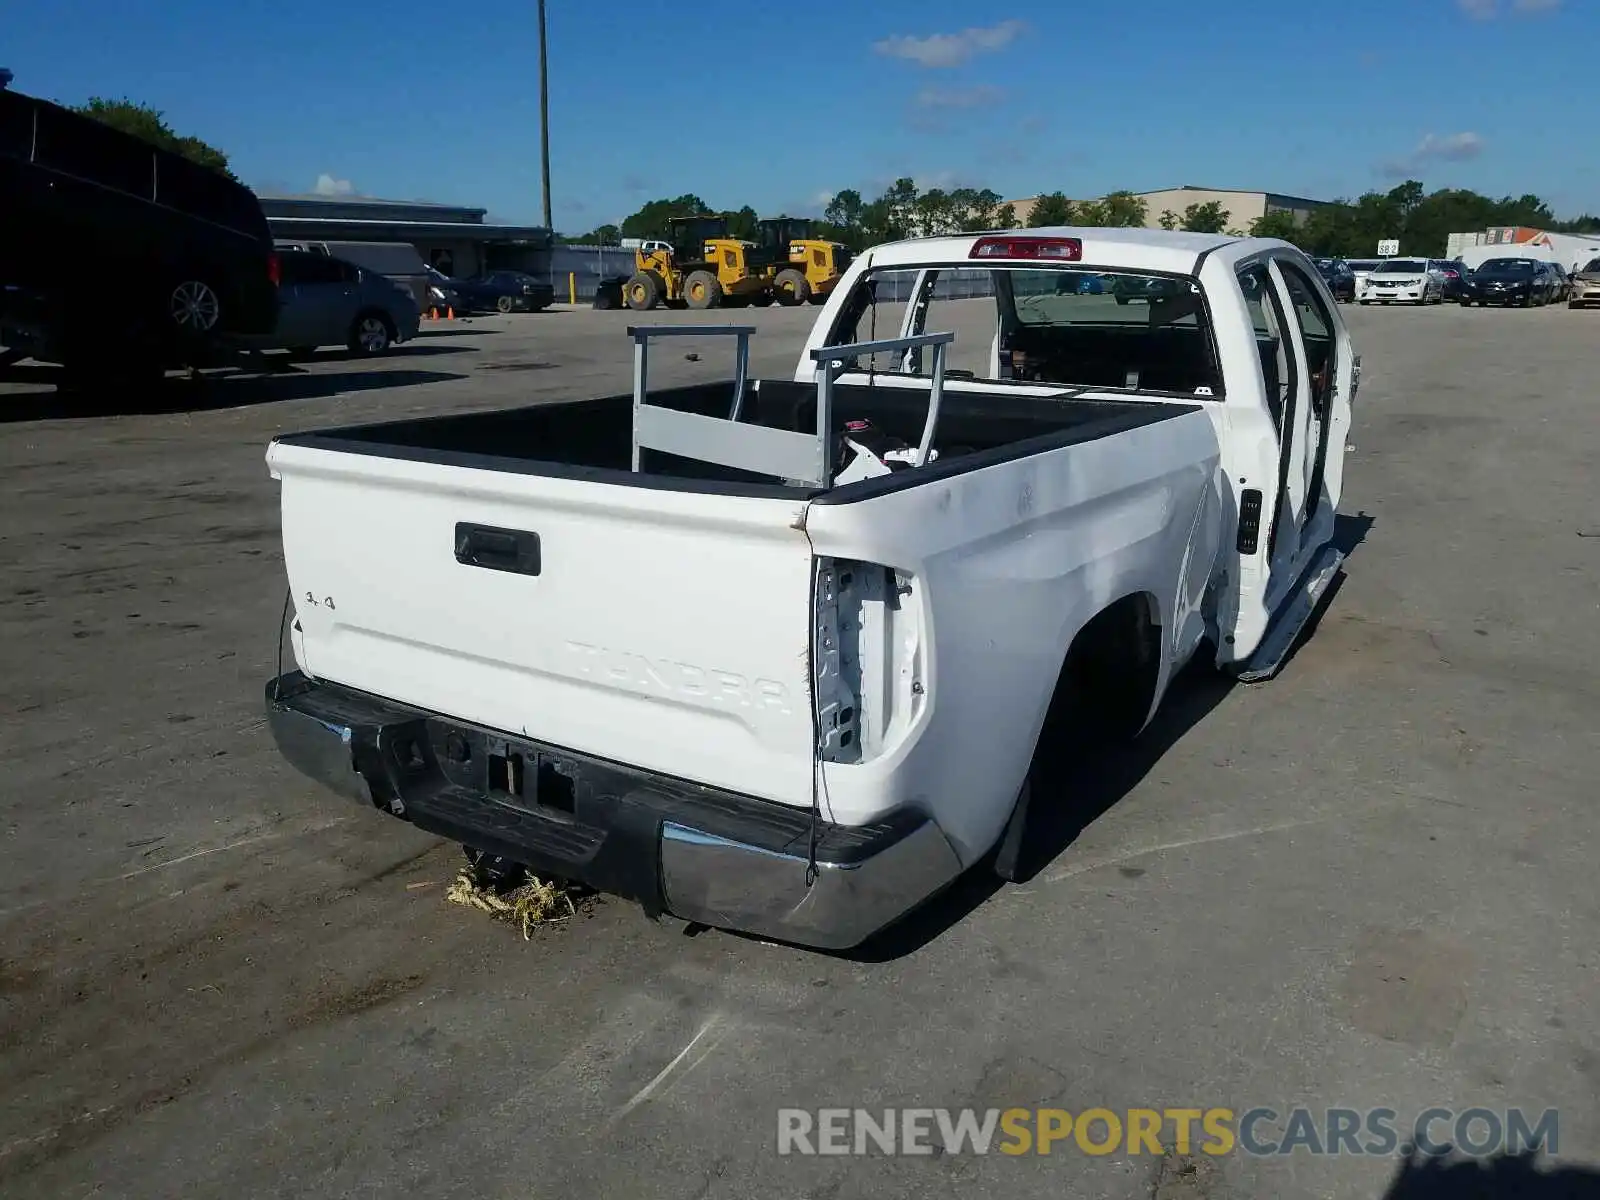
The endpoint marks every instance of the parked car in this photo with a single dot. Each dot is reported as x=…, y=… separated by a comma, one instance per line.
x=116, y=256
x=1454, y=272
x=1560, y=287
x=923, y=594
x=444, y=293
x=327, y=301
x=1585, y=286
x=1361, y=268
x=1507, y=281
x=1408, y=280
x=506, y=291
x=398, y=261
x=1341, y=280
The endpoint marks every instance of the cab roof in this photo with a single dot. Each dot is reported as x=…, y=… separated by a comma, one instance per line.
x=1135, y=249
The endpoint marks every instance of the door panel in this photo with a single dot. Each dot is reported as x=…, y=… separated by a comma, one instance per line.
x=1323, y=369
x=1294, y=437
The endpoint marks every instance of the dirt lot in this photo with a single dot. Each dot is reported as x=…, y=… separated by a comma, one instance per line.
x=1369, y=883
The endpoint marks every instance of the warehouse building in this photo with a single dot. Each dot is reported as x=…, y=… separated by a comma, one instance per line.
x=1242, y=207
x=456, y=240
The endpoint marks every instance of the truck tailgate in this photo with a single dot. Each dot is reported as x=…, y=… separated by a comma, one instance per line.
x=664, y=629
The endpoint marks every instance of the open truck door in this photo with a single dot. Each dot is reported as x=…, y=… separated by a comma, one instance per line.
x=1286, y=480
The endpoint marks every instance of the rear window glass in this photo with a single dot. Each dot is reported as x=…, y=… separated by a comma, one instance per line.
x=87, y=150
x=1112, y=330
x=1402, y=266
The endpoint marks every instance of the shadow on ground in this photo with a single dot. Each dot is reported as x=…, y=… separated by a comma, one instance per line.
x=1072, y=790
x=459, y=331
x=1509, y=1177
x=178, y=394
x=1075, y=783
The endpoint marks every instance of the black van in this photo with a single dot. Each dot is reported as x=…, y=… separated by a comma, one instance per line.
x=114, y=253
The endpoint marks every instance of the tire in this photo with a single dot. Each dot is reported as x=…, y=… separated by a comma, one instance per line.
x=193, y=308
x=761, y=300
x=791, y=287
x=702, y=291
x=1364, y=303
x=642, y=292
x=371, y=333
x=506, y=304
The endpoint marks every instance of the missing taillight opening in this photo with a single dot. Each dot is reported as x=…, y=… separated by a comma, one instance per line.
x=274, y=270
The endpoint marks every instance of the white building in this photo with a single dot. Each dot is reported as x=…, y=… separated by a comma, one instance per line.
x=1572, y=251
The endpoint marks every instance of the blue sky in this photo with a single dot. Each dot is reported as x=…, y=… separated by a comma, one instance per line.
x=435, y=101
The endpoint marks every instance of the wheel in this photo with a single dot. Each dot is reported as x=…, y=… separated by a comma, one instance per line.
x=701, y=290
x=642, y=292
x=791, y=287
x=506, y=304
x=193, y=308
x=1573, y=304
x=761, y=300
x=371, y=333
x=1366, y=302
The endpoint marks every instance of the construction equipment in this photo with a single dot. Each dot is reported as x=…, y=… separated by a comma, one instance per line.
x=697, y=265
x=808, y=267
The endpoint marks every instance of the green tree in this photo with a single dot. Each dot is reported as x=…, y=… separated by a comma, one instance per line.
x=145, y=122
x=604, y=235
x=1205, y=218
x=980, y=208
x=1005, y=217
x=1123, y=210
x=651, y=219
x=742, y=224
x=1280, y=225
x=1169, y=219
x=1053, y=208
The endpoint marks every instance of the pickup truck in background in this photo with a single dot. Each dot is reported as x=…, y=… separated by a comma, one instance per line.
x=777, y=655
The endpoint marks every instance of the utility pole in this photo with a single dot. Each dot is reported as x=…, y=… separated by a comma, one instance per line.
x=544, y=119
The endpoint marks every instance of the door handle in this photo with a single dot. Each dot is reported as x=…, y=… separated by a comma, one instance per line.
x=514, y=550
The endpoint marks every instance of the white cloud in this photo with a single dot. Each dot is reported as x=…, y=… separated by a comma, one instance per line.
x=980, y=96
x=1487, y=10
x=951, y=49
x=1452, y=147
x=327, y=185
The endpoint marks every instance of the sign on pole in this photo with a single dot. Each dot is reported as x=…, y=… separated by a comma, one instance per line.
x=1389, y=247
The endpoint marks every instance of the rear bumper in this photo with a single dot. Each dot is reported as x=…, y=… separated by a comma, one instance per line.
x=708, y=856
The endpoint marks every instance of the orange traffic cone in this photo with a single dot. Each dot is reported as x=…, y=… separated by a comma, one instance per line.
x=450, y=314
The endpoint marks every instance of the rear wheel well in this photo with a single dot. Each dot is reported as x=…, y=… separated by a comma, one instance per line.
x=1103, y=693
x=1108, y=675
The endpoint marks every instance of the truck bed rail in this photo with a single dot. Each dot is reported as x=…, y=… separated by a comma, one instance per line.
x=804, y=458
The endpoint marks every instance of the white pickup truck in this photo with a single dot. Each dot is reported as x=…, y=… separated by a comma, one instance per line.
x=776, y=656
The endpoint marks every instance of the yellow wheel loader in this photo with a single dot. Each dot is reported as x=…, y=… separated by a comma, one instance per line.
x=697, y=265
x=807, y=267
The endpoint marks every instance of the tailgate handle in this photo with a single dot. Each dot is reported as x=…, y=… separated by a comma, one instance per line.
x=514, y=550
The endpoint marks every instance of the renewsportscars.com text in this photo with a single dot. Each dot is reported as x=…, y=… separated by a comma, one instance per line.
x=1257, y=1131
